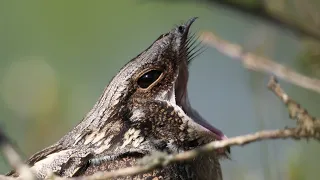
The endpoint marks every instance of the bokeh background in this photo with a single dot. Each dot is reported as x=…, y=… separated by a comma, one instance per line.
x=56, y=57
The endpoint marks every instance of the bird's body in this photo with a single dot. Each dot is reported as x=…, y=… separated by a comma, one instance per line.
x=144, y=109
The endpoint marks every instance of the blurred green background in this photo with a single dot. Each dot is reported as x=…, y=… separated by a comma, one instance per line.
x=57, y=56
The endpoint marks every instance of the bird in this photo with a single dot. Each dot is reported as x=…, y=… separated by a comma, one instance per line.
x=144, y=109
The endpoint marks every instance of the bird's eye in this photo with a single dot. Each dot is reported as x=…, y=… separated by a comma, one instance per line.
x=148, y=78
x=181, y=29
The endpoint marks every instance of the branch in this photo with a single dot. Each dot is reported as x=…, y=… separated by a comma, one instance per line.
x=189, y=155
x=258, y=63
x=273, y=12
x=13, y=158
x=306, y=123
x=2, y=177
x=266, y=11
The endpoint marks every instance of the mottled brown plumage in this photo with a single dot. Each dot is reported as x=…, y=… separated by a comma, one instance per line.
x=145, y=108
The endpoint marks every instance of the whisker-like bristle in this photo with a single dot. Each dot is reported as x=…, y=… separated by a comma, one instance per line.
x=191, y=38
x=193, y=47
x=192, y=41
x=190, y=59
x=196, y=53
x=196, y=50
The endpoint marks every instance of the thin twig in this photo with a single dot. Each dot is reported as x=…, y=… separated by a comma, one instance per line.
x=13, y=158
x=258, y=63
x=306, y=123
x=188, y=155
x=262, y=10
x=2, y=177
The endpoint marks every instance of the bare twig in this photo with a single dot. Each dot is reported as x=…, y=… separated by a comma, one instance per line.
x=264, y=11
x=2, y=177
x=163, y=161
x=306, y=123
x=268, y=11
x=258, y=63
x=13, y=158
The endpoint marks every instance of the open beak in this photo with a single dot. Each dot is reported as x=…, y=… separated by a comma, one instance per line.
x=218, y=134
x=182, y=99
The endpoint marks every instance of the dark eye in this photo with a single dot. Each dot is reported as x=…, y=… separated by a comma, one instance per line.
x=181, y=29
x=148, y=78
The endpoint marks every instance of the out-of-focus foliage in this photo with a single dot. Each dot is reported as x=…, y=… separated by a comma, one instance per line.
x=310, y=58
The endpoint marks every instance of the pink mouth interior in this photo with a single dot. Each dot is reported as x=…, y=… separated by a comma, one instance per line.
x=217, y=132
